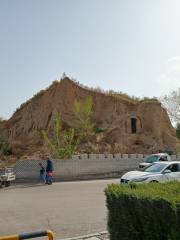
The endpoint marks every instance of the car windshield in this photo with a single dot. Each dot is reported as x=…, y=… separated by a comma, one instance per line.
x=152, y=159
x=158, y=167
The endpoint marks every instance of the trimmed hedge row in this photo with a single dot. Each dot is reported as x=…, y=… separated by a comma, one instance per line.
x=144, y=212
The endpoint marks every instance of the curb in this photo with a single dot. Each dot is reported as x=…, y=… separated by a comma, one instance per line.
x=96, y=236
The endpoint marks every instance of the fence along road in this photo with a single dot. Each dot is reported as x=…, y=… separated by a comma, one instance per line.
x=92, y=166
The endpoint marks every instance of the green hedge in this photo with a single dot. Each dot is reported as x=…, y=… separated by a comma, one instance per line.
x=144, y=212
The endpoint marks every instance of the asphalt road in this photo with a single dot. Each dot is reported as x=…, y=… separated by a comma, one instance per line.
x=68, y=208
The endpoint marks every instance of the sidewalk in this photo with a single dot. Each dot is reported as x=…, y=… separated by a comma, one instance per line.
x=95, y=236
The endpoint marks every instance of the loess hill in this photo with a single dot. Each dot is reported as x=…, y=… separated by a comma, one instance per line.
x=130, y=126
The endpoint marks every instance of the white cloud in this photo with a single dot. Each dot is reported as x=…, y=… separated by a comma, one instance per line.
x=173, y=59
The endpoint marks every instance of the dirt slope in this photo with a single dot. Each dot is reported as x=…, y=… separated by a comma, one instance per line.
x=153, y=130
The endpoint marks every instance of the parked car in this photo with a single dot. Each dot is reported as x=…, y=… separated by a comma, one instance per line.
x=156, y=172
x=155, y=158
x=6, y=176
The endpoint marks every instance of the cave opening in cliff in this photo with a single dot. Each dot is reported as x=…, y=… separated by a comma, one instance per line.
x=133, y=125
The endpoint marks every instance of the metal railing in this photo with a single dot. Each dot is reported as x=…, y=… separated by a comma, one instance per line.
x=47, y=233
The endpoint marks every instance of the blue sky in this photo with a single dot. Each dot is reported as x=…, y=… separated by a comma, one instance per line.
x=131, y=46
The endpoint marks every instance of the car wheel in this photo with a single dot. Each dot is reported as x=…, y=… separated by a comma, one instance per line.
x=1, y=185
x=7, y=184
x=154, y=181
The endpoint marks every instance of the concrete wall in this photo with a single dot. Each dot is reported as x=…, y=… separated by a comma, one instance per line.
x=85, y=166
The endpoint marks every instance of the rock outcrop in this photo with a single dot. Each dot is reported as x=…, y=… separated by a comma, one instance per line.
x=130, y=126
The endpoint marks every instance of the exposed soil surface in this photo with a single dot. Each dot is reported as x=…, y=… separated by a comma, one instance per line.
x=129, y=126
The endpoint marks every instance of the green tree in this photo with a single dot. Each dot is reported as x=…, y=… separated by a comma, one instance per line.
x=4, y=145
x=178, y=130
x=83, y=123
x=63, y=143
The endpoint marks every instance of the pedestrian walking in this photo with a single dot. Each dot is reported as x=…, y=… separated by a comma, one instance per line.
x=42, y=175
x=49, y=172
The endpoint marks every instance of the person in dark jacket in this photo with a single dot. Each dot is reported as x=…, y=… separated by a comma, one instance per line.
x=49, y=171
x=42, y=175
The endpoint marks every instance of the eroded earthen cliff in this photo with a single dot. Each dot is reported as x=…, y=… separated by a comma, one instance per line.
x=130, y=126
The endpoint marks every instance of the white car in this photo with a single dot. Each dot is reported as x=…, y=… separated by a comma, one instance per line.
x=155, y=158
x=157, y=172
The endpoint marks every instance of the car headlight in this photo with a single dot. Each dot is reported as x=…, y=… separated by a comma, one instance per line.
x=140, y=179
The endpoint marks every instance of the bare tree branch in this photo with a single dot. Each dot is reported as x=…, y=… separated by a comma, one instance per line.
x=171, y=103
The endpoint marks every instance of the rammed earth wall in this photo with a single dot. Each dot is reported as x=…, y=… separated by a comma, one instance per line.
x=86, y=166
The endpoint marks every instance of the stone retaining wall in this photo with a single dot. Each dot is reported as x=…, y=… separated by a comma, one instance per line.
x=85, y=166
